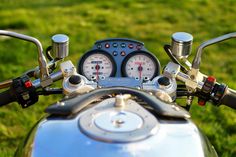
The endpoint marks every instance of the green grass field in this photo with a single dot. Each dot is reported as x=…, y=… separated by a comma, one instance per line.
x=152, y=22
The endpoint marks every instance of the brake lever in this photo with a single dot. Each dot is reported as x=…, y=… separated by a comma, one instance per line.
x=5, y=84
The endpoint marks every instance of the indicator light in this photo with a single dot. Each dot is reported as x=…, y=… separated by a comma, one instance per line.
x=107, y=45
x=99, y=46
x=115, y=53
x=123, y=45
x=131, y=46
x=115, y=45
x=139, y=47
x=122, y=53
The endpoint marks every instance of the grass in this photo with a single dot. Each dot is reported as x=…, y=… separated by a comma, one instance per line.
x=152, y=22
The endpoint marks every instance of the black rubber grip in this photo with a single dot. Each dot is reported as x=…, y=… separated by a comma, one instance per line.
x=229, y=98
x=6, y=97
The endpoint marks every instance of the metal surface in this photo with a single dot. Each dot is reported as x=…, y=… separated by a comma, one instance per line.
x=118, y=121
x=173, y=70
x=68, y=69
x=44, y=75
x=54, y=76
x=121, y=100
x=132, y=82
x=80, y=88
x=61, y=137
x=169, y=91
x=197, y=58
x=60, y=46
x=107, y=123
x=181, y=44
x=120, y=81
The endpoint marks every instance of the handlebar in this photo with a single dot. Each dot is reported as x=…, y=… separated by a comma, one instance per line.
x=18, y=89
x=54, y=76
x=229, y=99
x=6, y=97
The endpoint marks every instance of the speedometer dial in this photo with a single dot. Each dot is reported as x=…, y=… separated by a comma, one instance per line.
x=97, y=65
x=140, y=66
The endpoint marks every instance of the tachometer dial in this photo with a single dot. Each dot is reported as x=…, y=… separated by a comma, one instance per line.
x=97, y=65
x=140, y=65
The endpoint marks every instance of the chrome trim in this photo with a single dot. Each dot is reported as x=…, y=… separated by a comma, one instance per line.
x=54, y=76
x=105, y=122
x=61, y=137
x=181, y=44
x=60, y=45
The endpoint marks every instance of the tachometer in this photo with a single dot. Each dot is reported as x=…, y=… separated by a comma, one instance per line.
x=140, y=65
x=97, y=64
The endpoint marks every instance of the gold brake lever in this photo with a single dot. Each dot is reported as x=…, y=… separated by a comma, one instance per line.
x=5, y=84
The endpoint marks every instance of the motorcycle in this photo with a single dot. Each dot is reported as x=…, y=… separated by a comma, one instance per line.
x=116, y=100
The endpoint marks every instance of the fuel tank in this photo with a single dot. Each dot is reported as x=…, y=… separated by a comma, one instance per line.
x=109, y=129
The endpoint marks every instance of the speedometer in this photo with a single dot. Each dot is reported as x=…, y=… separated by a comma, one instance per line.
x=141, y=65
x=96, y=65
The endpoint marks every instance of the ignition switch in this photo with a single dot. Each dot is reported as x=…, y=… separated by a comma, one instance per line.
x=164, y=81
x=75, y=80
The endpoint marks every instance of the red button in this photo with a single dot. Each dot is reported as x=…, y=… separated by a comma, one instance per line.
x=211, y=79
x=201, y=102
x=28, y=84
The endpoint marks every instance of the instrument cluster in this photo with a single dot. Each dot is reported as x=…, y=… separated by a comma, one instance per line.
x=119, y=57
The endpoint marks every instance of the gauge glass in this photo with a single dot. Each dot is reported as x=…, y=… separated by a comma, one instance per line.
x=97, y=66
x=140, y=66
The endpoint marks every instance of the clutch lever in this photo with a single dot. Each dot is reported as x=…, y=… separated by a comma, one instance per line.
x=5, y=84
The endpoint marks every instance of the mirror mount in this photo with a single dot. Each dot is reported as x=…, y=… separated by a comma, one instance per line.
x=194, y=72
x=197, y=58
x=44, y=74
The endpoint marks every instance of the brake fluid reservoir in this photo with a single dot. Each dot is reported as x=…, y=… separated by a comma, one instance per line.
x=181, y=44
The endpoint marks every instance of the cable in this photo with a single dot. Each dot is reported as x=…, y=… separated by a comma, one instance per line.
x=167, y=48
x=48, y=54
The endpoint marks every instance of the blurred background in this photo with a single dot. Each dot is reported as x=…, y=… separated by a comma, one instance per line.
x=150, y=21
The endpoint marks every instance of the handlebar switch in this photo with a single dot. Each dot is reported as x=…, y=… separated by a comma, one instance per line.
x=206, y=91
x=24, y=91
x=164, y=81
x=217, y=93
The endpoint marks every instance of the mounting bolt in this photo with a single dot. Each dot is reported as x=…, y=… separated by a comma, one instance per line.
x=121, y=100
x=192, y=77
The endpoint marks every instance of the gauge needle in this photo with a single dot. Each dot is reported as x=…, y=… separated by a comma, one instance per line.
x=140, y=70
x=97, y=70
